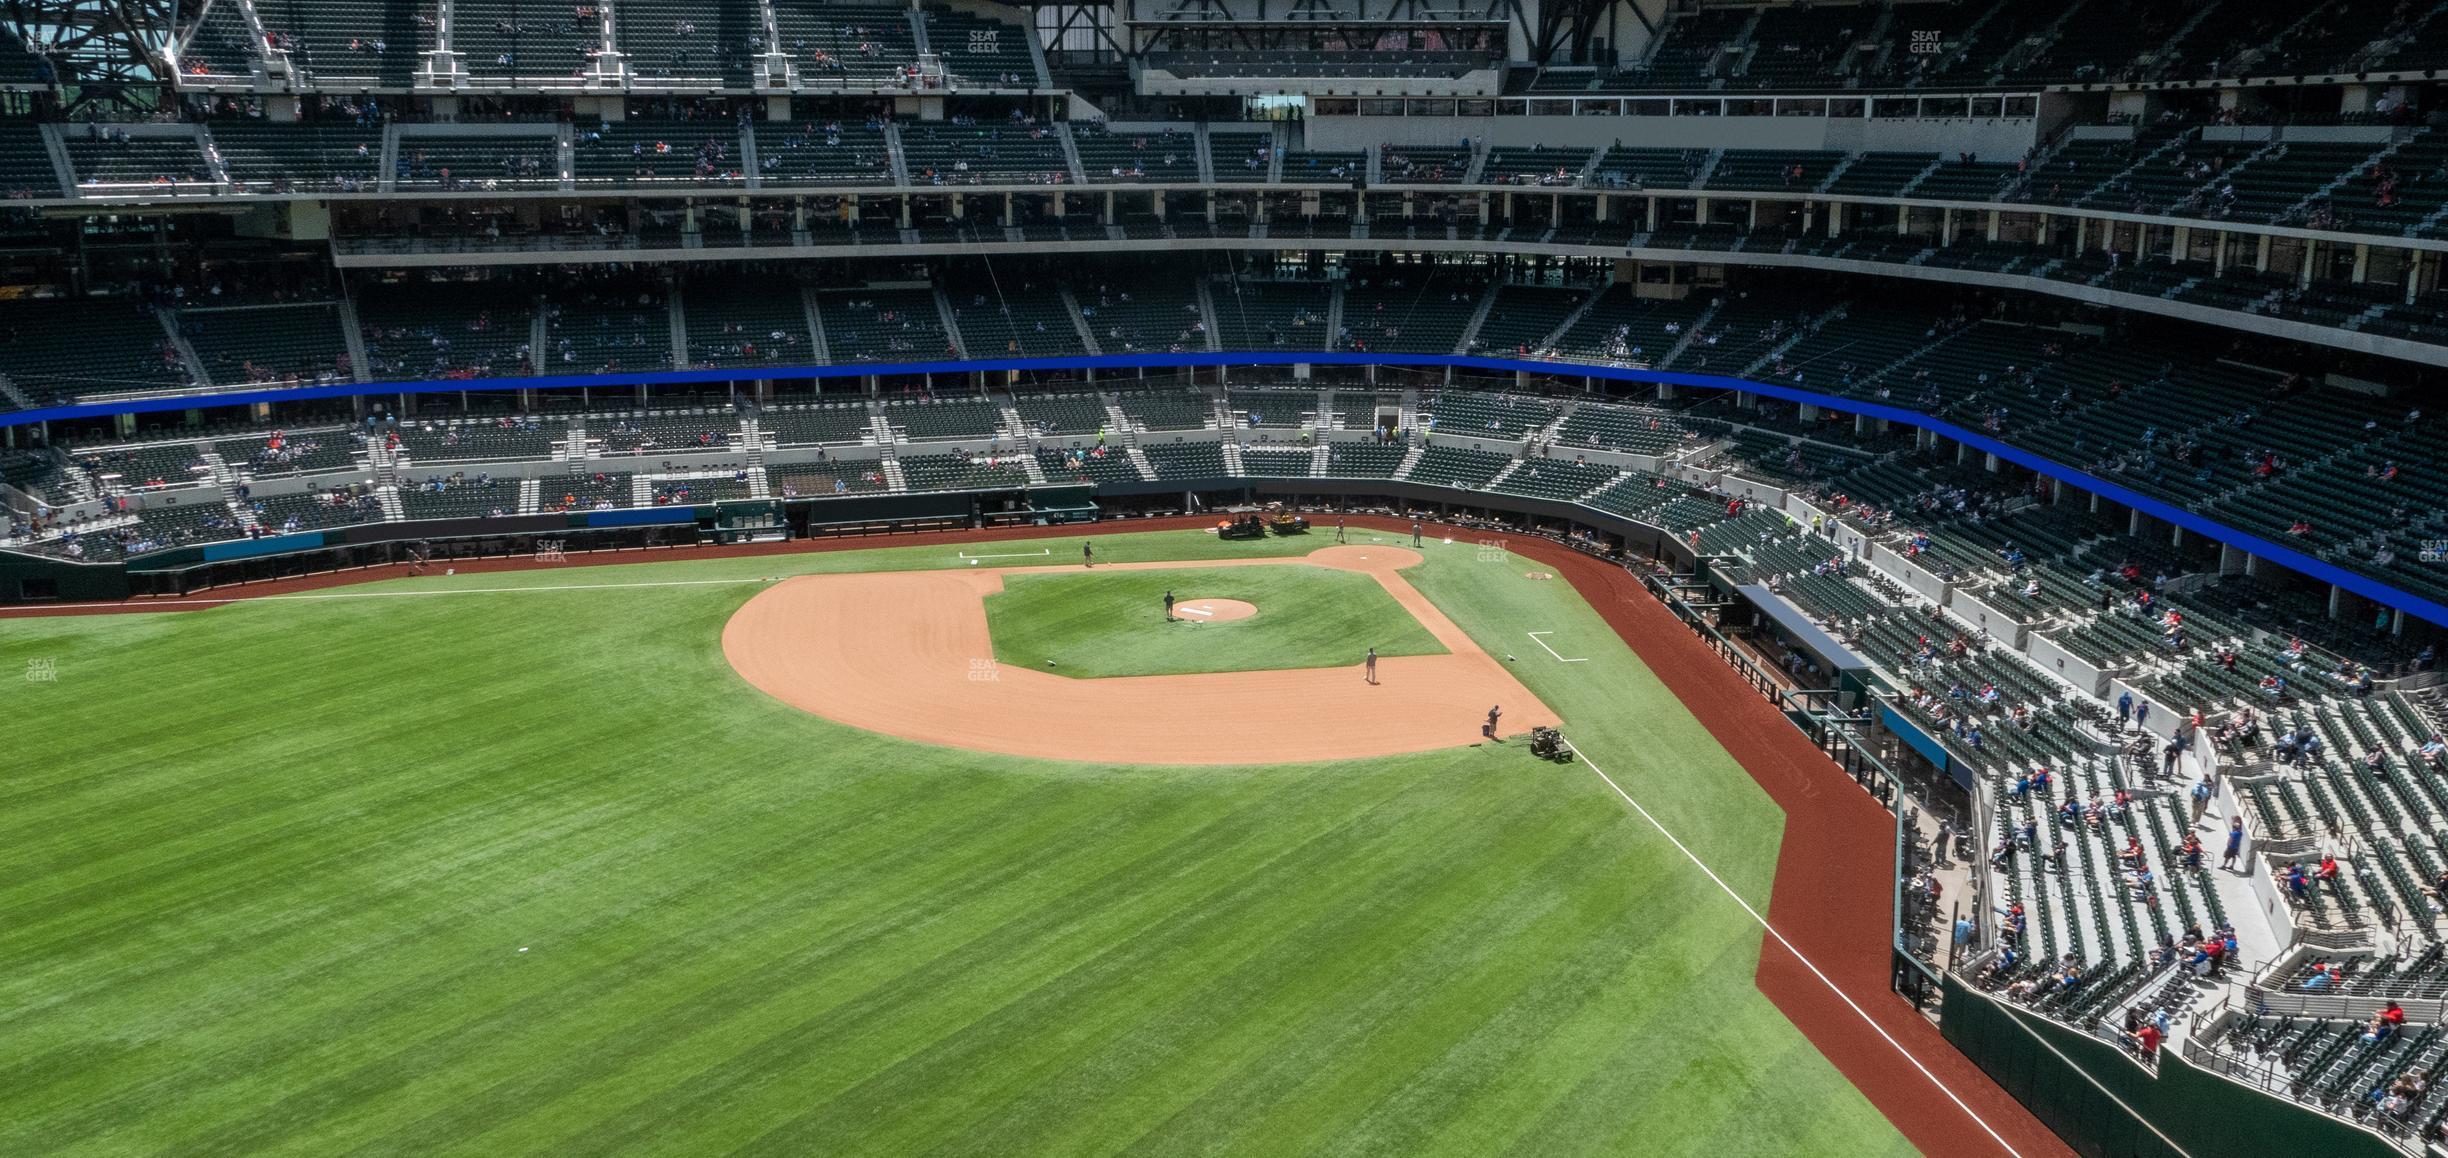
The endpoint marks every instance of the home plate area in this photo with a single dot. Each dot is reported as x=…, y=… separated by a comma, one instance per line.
x=1213, y=610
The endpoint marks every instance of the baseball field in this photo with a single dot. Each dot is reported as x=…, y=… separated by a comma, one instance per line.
x=659, y=857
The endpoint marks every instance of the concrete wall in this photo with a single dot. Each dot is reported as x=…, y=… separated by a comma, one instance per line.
x=2082, y=674
x=2004, y=628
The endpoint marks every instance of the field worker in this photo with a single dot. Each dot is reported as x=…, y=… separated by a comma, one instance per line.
x=1415, y=532
x=1371, y=665
x=1168, y=607
x=1489, y=729
x=1087, y=554
x=1338, y=528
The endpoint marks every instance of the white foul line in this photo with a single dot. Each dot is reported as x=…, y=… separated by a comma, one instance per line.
x=1013, y=555
x=1789, y=947
x=1534, y=638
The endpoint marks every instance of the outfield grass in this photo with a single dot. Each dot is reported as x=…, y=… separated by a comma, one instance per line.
x=266, y=872
x=1111, y=623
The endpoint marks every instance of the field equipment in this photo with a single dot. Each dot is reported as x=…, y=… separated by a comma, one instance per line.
x=1284, y=522
x=1242, y=527
x=1548, y=744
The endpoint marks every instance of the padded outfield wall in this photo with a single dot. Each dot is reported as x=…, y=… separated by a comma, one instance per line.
x=2097, y=1097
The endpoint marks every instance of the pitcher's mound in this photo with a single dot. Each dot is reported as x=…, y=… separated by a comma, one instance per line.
x=1213, y=610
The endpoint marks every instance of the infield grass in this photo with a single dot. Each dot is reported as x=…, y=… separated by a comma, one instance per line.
x=266, y=872
x=1111, y=623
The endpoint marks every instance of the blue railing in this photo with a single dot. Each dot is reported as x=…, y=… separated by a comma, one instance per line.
x=2275, y=552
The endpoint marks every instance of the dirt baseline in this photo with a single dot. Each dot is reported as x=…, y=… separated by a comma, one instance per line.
x=908, y=654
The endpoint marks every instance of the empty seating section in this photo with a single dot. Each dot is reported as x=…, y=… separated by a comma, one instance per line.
x=655, y=432
x=1240, y=155
x=981, y=53
x=657, y=152
x=826, y=153
x=268, y=343
x=945, y=418
x=1167, y=409
x=609, y=331
x=1554, y=479
x=1278, y=409
x=592, y=491
x=1621, y=429
x=1802, y=46
x=1365, y=459
x=948, y=153
x=1881, y=174
x=851, y=45
x=1541, y=165
x=1061, y=414
x=305, y=158
x=1142, y=318
x=339, y=507
x=837, y=477
x=1186, y=460
x=1323, y=166
x=1622, y=327
x=689, y=43
x=458, y=495
x=1029, y=321
x=429, y=440
x=1692, y=42
x=883, y=325
x=117, y=470
x=744, y=322
x=1420, y=165
x=57, y=349
x=1798, y=170
x=1094, y=464
x=377, y=43
x=2269, y=187
x=1108, y=156
x=1273, y=315
x=288, y=452
x=222, y=45
x=1522, y=316
x=1642, y=168
x=826, y=423
x=1276, y=462
x=412, y=331
x=1448, y=466
x=108, y=157
x=954, y=472
x=525, y=42
x=478, y=160
x=1471, y=414
x=25, y=164
x=1966, y=181
x=1407, y=309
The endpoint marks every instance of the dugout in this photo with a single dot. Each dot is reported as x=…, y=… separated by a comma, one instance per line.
x=1828, y=663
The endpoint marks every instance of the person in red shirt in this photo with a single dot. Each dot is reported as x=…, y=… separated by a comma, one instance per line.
x=2145, y=1040
x=2328, y=868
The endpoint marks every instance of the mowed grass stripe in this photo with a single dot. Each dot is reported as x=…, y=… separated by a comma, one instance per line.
x=714, y=1026
x=1221, y=1032
x=1229, y=866
x=333, y=996
x=764, y=950
x=1324, y=937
